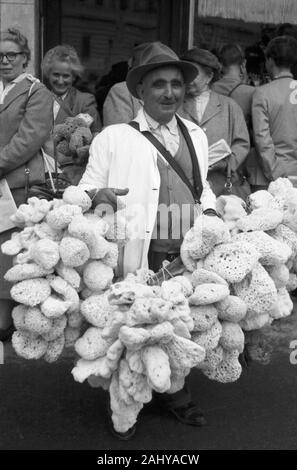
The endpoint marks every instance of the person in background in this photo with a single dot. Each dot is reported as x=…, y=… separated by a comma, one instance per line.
x=288, y=29
x=26, y=117
x=274, y=112
x=122, y=157
x=219, y=117
x=61, y=67
x=120, y=106
x=233, y=80
x=117, y=74
x=233, y=84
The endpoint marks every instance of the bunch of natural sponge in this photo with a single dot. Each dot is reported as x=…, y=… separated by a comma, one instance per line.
x=251, y=251
x=73, y=138
x=64, y=253
x=139, y=341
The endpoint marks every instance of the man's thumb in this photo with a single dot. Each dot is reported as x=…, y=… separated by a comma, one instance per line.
x=121, y=192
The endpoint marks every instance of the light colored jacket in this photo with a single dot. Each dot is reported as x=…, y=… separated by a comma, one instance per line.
x=243, y=95
x=120, y=157
x=119, y=106
x=26, y=119
x=239, y=92
x=222, y=119
x=274, y=113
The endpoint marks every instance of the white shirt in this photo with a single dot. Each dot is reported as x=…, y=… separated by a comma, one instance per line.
x=201, y=102
x=167, y=134
x=10, y=86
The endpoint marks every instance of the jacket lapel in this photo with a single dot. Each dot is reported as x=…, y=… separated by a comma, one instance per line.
x=212, y=108
x=66, y=107
x=19, y=89
x=189, y=108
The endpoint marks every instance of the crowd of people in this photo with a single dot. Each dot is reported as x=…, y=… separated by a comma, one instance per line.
x=173, y=133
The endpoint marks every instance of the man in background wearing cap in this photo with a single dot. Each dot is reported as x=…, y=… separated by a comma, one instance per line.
x=120, y=106
x=122, y=157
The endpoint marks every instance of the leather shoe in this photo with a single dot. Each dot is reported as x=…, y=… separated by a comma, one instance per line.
x=244, y=358
x=189, y=414
x=6, y=333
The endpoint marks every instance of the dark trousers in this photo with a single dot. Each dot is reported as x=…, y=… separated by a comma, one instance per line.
x=183, y=396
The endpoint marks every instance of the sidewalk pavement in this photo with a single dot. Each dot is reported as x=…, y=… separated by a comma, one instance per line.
x=41, y=407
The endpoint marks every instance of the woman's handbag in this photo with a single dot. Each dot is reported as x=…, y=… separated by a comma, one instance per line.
x=54, y=185
x=223, y=182
x=240, y=187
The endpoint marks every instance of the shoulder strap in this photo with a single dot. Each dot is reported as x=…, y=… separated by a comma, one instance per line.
x=233, y=89
x=168, y=157
x=196, y=170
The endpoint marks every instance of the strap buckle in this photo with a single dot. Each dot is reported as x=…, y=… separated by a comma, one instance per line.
x=228, y=185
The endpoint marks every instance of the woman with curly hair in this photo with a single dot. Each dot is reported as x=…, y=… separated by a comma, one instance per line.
x=61, y=68
x=25, y=123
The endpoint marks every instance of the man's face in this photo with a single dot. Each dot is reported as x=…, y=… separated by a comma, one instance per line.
x=162, y=92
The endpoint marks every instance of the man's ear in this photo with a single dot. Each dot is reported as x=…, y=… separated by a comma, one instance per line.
x=242, y=70
x=139, y=89
x=211, y=75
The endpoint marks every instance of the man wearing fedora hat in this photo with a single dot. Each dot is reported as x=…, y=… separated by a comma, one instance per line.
x=145, y=158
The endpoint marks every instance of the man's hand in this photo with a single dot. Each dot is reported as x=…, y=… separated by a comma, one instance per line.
x=108, y=197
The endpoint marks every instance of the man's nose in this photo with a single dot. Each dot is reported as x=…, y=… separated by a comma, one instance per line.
x=5, y=60
x=60, y=80
x=169, y=91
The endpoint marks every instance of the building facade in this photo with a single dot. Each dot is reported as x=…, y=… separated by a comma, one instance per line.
x=103, y=32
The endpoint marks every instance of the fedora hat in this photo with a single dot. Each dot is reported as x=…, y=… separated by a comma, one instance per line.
x=202, y=57
x=154, y=56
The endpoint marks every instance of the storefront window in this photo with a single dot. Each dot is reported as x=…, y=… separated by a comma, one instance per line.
x=211, y=32
x=105, y=32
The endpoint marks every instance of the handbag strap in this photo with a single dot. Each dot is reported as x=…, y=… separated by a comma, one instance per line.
x=168, y=157
x=233, y=89
x=228, y=184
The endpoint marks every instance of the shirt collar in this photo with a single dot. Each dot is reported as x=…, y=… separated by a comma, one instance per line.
x=203, y=96
x=61, y=97
x=15, y=81
x=153, y=124
x=19, y=78
x=283, y=75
